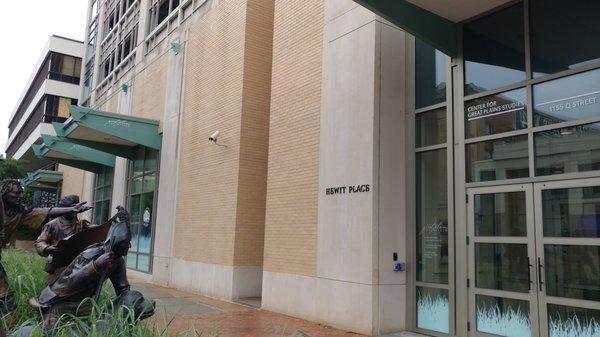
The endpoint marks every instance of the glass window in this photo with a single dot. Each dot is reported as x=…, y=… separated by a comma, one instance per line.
x=572, y=271
x=568, y=150
x=560, y=34
x=503, y=316
x=573, y=322
x=103, y=195
x=502, y=266
x=432, y=217
x=430, y=75
x=572, y=212
x=496, y=113
x=430, y=127
x=504, y=158
x=568, y=98
x=143, y=173
x=433, y=311
x=494, y=50
x=500, y=214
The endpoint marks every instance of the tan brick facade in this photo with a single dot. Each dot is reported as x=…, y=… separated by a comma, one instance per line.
x=148, y=90
x=220, y=214
x=72, y=181
x=291, y=215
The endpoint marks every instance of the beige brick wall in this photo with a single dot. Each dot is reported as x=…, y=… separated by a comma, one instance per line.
x=72, y=181
x=148, y=90
x=252, y=185
x=208, y=174
x=291, y=213
x=111, y=104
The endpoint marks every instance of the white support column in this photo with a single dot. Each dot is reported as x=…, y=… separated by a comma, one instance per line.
x=362, y=143
x=169, y=165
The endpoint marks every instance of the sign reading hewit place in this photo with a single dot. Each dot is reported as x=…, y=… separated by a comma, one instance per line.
x=350, y=189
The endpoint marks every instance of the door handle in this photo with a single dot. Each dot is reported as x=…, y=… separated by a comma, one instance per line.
x=540, y=267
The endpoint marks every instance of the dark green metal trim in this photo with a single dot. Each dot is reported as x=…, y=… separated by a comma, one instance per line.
x=137, y=130
x=64, y=145
x=45, y=176
x=128, y=152
x=437, y=31
x=43, y=179
x=39, y=151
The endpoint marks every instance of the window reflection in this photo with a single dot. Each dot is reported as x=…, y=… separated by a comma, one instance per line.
x=430, y=127
x=432, y=217
x=496, y=113
x=560, y=34
x=505, y=158
x=430, y=70
x=573, y=271
x=494, y=50
x=568, y=98
x=571, y=212
x=568, y=150
x=500, y=214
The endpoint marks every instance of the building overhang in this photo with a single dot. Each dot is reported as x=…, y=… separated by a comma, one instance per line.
x=433, y=21
x=111, y=133
x=42, y=179
x=61, y=150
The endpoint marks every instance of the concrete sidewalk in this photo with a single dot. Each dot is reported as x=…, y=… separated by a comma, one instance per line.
x=218, y=318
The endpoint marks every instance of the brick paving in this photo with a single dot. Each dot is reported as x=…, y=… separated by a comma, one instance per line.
x=218, y=318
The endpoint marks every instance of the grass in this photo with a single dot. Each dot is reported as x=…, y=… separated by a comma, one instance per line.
x=27, y=279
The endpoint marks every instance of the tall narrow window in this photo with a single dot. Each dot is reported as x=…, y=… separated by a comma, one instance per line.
x=142, y=190
x=102, y=195
x=432, y=266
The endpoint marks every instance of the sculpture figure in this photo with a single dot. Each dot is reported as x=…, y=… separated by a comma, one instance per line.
x=84, y=276
x=56, y=230
x=13, y=214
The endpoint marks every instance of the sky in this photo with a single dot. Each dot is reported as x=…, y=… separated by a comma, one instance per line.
x=25, y=27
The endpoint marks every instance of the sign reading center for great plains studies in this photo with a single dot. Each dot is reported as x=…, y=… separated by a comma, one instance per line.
x=350, y=189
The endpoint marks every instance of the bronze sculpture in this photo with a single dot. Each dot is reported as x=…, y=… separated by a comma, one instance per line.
x=84, y=276
x=56, y=230
x=13, y=214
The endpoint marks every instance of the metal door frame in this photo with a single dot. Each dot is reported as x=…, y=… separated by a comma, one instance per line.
x=529, y=240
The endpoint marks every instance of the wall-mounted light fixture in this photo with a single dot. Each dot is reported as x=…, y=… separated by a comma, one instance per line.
x=124, y=87
x=175, y=47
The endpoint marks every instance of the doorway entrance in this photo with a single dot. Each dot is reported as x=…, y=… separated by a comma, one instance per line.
x=534, y=259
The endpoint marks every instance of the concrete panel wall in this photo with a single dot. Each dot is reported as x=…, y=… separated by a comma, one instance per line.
x=362, y=142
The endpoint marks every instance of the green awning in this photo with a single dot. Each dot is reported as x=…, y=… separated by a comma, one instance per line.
x=42, y=179
x=63, y=151
x=108, y=132
x=435, y=30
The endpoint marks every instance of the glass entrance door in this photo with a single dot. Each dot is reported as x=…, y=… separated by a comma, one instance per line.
x=534, y=259
x=501, y=249
x=568, y=248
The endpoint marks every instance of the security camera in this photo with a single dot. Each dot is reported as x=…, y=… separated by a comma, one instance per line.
x=214, y=136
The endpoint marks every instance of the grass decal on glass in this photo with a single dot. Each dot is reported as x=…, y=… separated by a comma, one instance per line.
x=572, y=327
x=508, y=322
x=432, y=310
